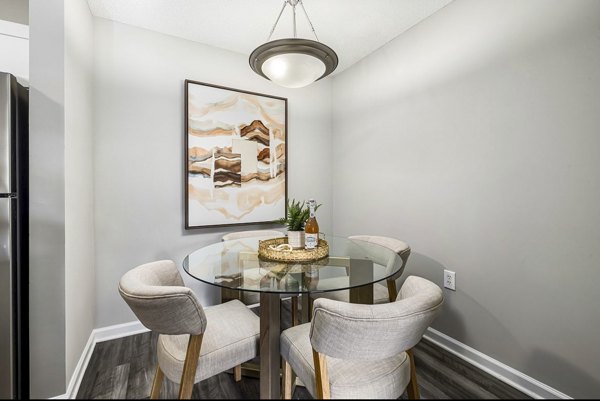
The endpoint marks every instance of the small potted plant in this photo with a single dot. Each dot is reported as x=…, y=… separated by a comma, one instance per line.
x=297, y=214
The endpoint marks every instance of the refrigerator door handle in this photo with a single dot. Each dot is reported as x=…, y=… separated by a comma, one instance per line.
x=6, y=134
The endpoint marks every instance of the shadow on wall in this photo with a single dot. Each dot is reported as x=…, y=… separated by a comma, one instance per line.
x=485, y=325
x=426, y=267
x=459, y=307
x=555, y=367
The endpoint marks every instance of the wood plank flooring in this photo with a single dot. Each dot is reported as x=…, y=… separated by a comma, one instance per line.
x=124, y=368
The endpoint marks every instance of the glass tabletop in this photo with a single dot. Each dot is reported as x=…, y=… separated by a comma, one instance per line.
x=236, y=265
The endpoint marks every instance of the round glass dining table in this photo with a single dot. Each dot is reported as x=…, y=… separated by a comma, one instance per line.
x=352, y=265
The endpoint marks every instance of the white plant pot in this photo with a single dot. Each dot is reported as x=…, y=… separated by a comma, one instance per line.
x=296, y=239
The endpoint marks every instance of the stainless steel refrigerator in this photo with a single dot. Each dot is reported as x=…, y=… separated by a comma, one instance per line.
x=14, y=250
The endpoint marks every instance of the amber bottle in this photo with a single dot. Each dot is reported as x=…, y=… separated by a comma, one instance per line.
x=311, y=228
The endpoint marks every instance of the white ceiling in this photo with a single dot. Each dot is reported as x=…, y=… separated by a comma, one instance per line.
x=353, y=28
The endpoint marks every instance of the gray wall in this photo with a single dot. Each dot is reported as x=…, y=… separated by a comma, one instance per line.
x=475, y=137
x=47, y=203
x=139, y=150
x=15, y=11
x=80, y=286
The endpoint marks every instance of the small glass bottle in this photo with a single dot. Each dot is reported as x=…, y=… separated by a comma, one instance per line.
x=311, y=228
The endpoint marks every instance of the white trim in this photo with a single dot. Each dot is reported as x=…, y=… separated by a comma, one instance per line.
x=84, y=359
x=97, y=336
x=118, y=331
x=508, y=375
x=13, y=29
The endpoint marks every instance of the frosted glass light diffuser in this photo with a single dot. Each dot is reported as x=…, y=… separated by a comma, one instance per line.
x=293, y=70
x=293, y=62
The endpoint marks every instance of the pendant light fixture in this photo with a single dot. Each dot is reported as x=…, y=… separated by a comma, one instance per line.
x=293, y=62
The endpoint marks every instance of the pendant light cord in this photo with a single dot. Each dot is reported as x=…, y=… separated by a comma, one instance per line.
x=294, y=12
x=277, y=20
x=293, y=3
x=310, y=23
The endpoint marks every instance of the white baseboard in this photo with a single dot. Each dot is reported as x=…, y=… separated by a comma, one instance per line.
x=118, y=331
x=508, y=375
x=80, y=367
x=97, y=336
x=512, y=377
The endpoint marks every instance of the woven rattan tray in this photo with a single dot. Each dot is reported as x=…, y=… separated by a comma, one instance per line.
x=295, y=255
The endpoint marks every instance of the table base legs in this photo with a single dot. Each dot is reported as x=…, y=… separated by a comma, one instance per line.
x=270, y=359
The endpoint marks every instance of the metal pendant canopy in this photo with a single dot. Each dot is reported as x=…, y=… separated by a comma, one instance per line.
x=294, y=45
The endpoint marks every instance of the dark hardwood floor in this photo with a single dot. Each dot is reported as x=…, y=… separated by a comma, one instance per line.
x=124, y=368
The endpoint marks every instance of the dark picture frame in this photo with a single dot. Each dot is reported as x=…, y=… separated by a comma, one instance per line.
x=236, y=156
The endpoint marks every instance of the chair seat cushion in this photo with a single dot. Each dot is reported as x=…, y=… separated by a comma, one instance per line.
x=231, y=337
x=380, y=294
x=386, y=378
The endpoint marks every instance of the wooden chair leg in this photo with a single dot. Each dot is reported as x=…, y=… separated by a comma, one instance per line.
x=309, y=308
x=321, y=376
x=305, y=299
x=237, y=373
x=157, y=383
x=288, y=378
x=189, y=367
x=294, y=311
x=413, y=387
x=392, y=292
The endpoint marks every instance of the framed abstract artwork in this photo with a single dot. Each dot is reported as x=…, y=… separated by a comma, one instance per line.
x=236, y=156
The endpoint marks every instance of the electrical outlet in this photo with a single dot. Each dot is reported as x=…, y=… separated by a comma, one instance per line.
x=450, y=280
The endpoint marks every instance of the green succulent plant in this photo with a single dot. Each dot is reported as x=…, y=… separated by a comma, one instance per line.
x=297, y=214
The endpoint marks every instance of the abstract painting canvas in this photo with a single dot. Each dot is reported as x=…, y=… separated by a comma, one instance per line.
x=236, y=156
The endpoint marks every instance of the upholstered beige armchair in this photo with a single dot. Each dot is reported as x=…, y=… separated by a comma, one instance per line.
x=359, y=351
x=195, y=343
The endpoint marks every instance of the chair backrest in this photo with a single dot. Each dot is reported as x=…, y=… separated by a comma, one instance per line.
x=156, y=294
x=400, y=247
x=352, y=331
x=254, y=233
